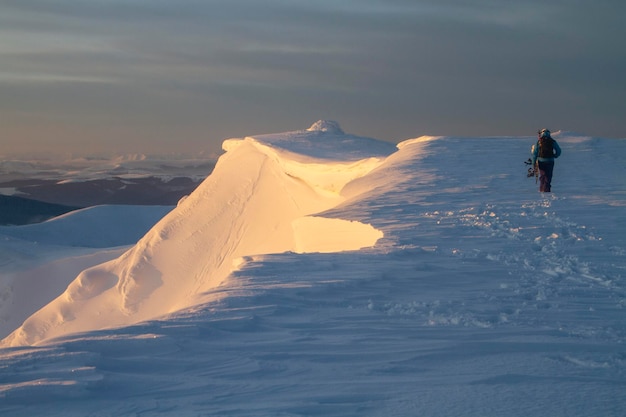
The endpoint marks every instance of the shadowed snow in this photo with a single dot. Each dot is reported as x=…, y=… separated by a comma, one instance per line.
x=481, y=297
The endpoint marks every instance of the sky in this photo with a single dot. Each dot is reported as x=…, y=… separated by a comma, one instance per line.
x=87, y=76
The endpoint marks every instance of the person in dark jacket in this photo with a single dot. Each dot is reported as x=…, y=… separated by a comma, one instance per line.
x=544, y=152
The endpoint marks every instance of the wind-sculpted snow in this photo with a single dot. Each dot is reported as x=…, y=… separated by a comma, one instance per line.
x=260, y=199
x=483, y=297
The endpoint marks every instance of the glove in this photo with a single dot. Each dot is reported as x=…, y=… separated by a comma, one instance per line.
x=531, y=173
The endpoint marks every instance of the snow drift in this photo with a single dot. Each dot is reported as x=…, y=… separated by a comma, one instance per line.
x=483, y=298
x=260, y=199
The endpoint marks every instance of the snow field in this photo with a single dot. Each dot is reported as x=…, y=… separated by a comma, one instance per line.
x=482, y=298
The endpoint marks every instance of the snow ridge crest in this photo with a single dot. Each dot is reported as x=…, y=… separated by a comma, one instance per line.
x=329, y=126
x=258, y=200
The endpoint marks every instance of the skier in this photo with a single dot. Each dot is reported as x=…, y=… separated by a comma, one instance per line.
x=544, y=152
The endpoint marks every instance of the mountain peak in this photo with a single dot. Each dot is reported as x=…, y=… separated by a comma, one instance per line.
x=329, y=126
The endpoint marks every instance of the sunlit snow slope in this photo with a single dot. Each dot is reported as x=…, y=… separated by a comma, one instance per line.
x=484, y=297
x=261, y=198
x=38, y=261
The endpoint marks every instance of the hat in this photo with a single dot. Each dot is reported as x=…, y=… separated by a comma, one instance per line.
x=543, y=133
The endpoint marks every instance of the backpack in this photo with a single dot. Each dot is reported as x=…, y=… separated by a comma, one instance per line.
x=546, y=147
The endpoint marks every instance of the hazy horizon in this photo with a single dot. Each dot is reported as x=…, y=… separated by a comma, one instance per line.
x=137, y=76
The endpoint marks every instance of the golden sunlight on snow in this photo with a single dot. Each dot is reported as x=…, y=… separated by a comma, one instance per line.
x=258, y=200
x=319, y=234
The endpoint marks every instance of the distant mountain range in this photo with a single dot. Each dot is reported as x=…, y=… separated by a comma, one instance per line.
x=19, y=211
x=35, y=200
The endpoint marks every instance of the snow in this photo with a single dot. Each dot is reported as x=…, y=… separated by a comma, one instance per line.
x=226, y=218
x=319, y=273
x=91, y=227
x=60, y=249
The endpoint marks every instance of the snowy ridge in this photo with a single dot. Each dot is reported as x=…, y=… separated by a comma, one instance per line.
x=91, y=227
x=260, y=199
x=483, y=298
x=48, y=256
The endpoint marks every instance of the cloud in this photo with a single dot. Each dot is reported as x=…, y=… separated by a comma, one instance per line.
x=397, y=68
